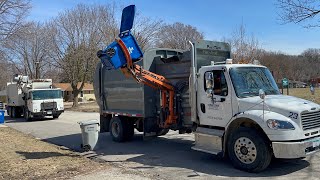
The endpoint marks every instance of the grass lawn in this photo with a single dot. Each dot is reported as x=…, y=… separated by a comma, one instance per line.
x=304, y=93
x=24, y=157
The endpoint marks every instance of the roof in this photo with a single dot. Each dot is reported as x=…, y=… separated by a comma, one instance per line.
x=67, y=86
x=62, y=86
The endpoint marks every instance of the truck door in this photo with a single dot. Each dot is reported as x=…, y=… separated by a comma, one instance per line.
x=214, y=108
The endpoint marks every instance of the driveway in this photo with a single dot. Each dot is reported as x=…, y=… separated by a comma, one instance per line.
x=167, y=157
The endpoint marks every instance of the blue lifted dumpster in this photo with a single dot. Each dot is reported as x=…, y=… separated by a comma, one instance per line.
x=2, y=116
x=112, y=56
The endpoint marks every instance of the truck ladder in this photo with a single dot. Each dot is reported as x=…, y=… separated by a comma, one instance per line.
x=152, y=80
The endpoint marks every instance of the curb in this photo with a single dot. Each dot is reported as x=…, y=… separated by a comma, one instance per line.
x=2, y=126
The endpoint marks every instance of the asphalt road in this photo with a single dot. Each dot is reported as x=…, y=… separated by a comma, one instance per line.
x=167, y=157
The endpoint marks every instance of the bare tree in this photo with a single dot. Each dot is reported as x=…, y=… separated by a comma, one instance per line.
x=313, y=54
x=27, y=50
x=311, y=62
x=5, y=71
x=177, y=35
x=76, y=36
x=299, y=68
x=145, y=31
x=300, y=11
x=244, y=48
x=12, y=12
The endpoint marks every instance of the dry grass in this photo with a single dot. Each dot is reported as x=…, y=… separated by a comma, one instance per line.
x=83, y=107
x=23, y=157
x=304, y=93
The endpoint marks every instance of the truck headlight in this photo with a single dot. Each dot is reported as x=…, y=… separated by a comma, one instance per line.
x=278, y=124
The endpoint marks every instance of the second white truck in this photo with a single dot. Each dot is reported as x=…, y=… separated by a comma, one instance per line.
x=33, y=98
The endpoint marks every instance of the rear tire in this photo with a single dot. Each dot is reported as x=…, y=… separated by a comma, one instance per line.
x=9, y=111
x=117, y=129
x=249, y=150
x=13, y=112
x=162, y=132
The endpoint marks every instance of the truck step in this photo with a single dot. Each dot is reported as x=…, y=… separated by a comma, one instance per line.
x=208, y=140
x=203, y=149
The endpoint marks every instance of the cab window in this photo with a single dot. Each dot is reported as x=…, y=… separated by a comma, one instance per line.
x=220, y=84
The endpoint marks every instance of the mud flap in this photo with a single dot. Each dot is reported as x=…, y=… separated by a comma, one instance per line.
x=104, y=123
x=150, y=128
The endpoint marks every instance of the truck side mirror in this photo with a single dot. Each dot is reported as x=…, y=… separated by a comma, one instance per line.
x=262, y=94
x=209, y=80
x=209, y=84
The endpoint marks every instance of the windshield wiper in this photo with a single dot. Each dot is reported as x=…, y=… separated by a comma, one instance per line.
x=249, y=93
x=271, y=91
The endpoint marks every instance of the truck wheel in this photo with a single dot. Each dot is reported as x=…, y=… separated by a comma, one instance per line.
x=9, y=111
x=26, y=115
x=117, y=129
x=56, y=116
x=162, y=132
x=248, y=150
x=13, y=112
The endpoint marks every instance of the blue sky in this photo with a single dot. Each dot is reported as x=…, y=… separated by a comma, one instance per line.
x=216, y=19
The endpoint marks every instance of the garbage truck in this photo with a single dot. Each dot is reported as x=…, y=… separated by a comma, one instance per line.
x=33, y=98
x=233, y=110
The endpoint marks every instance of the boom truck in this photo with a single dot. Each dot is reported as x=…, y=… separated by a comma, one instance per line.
x=33, y=98
x=234, y=110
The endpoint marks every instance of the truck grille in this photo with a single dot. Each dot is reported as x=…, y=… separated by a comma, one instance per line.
x=310, y=120
x=48, y=106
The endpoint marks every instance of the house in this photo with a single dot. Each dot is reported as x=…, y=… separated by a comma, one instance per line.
x=87, y=93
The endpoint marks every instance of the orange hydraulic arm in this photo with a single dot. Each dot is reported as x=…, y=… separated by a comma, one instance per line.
x=152, y=80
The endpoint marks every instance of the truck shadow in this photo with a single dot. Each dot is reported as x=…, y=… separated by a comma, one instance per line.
x=42, y=155
x=173, y=152
x=8, y=119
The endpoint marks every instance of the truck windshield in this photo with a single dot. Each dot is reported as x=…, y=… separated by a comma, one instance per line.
x=247, y=81
x=46, y=94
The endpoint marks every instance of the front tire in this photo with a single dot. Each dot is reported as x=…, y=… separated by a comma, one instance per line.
x=27, y=115
x=249, y=150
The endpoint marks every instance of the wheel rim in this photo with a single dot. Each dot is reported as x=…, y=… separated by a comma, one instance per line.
x=245, y=150
x=115, y=129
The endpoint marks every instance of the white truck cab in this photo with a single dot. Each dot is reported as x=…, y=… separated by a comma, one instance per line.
x=44, y=102
x=241, y=112
x=33, y=98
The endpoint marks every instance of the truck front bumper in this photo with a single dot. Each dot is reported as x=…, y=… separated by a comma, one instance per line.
x=47, y=113
x=292, y=150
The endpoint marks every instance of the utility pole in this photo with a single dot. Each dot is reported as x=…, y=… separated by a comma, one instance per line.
x=37, y=69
